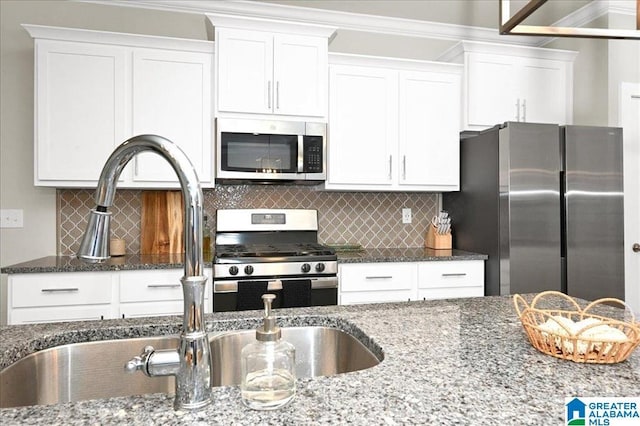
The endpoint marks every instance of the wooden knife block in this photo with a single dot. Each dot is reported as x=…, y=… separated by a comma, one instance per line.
x=162, y=224
x=437, y=241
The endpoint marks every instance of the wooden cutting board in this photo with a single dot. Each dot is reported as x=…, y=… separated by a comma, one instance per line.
x=162, y=221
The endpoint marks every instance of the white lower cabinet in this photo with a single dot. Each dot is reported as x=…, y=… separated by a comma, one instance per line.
x=440, y=280
x=404, y=281
x=376, y=282
x=52, y=297
x=155, y=292
x=76, y=296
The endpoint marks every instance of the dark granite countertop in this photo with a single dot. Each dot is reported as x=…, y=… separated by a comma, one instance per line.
x=174, y=261
x=446, y=362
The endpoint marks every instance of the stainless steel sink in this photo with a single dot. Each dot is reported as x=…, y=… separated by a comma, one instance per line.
x=320, y=351
x=95, y=370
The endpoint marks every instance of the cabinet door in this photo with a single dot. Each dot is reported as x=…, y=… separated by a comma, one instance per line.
x=543, y=91
x=80, y=110
x=172, y=98
x=429, y=126
x=377, y=282
x=245, y=71
x=59, y=314
x=491, y=89
x=450, y=279
x=300, y=75
x=362, y=126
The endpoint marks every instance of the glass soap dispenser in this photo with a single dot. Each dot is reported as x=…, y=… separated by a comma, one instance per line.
x=268, y=366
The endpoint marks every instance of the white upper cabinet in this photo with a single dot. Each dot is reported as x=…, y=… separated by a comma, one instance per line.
x=363, y=126
x=74, y=133
x=271, y=68
x=429, y=114
x=94, y=90
x=171, y=98
x=393, y=125
x=514, y=83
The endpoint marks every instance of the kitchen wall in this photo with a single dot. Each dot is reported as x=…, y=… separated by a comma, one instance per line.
x=368, y=219
x=38, y=236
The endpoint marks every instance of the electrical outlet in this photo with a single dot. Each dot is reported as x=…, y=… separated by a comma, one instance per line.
x=406, y=215
x=11, y=218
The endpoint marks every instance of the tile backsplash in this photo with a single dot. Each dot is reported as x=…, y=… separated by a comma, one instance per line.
x=370, y=219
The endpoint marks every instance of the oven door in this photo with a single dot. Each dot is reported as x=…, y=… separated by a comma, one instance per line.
x=324, y=291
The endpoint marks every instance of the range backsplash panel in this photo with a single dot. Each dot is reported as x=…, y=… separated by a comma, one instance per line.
x=372, y=220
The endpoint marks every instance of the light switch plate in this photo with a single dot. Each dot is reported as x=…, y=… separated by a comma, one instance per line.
x=11, y=218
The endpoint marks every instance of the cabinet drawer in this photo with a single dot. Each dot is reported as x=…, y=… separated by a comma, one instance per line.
x=450, y=293
x=133, y=310
x=58, y=314
x=149, y=286
x=60, y=289
x=356, y=297
x=155, y=285
x=463, y=273
x=377, y=277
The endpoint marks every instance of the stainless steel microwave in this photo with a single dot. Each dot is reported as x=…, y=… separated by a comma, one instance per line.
x=270, y=151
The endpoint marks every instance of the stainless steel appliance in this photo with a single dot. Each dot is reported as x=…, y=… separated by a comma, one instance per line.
x=546, y=204
x=276, y=247
x=270, y=151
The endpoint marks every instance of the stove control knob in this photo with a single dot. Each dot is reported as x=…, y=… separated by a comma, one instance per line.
x=233, y=270
x=248, y=269
x=320, y=267
x=306, y=267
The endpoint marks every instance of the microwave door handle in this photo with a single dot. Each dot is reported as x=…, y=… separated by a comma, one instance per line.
x=300, y=153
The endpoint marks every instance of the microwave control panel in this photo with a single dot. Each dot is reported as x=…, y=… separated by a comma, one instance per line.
x=313, y=150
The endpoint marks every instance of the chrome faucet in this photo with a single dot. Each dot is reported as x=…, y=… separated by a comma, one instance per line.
x=190, y=363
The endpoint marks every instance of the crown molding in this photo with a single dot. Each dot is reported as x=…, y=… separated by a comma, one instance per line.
x=340, y=20
x=106, y=37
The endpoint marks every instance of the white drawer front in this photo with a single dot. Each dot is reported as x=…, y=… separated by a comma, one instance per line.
x=133, y=310
x=450, y=293
x=155, y=285
x=356, y=297
x=459, y=273
x=60, y=289
x=58, y=314
x=149, y=286
x=377, y=277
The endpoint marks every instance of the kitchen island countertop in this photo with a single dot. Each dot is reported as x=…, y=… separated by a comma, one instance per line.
x=174, y=261
x=463, y=361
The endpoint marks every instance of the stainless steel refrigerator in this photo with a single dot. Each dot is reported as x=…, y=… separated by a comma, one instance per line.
x=545, y=202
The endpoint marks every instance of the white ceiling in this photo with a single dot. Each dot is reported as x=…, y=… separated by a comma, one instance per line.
x=477, y=13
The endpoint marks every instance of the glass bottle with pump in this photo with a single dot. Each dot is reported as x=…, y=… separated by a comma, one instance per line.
x=268, y=366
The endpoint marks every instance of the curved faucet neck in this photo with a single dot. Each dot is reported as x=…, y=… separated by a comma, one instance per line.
x=189, y=183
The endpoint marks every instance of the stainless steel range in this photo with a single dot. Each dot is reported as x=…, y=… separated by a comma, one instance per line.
x=275, y=251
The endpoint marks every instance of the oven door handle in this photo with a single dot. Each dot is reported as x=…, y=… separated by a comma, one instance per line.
x=275, y=285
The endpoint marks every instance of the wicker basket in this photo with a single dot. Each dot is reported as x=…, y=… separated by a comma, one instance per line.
x=588, y=343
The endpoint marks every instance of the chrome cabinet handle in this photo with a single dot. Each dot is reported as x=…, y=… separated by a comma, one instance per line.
x=269, y=94
x=60, y=290
x=379, y=277
x=404, y=167
x=518, y=110
x=458, y=274
x=524, y=110
x=277, y=95
x=163, y=285
x=636, y=248
x=390, y=167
